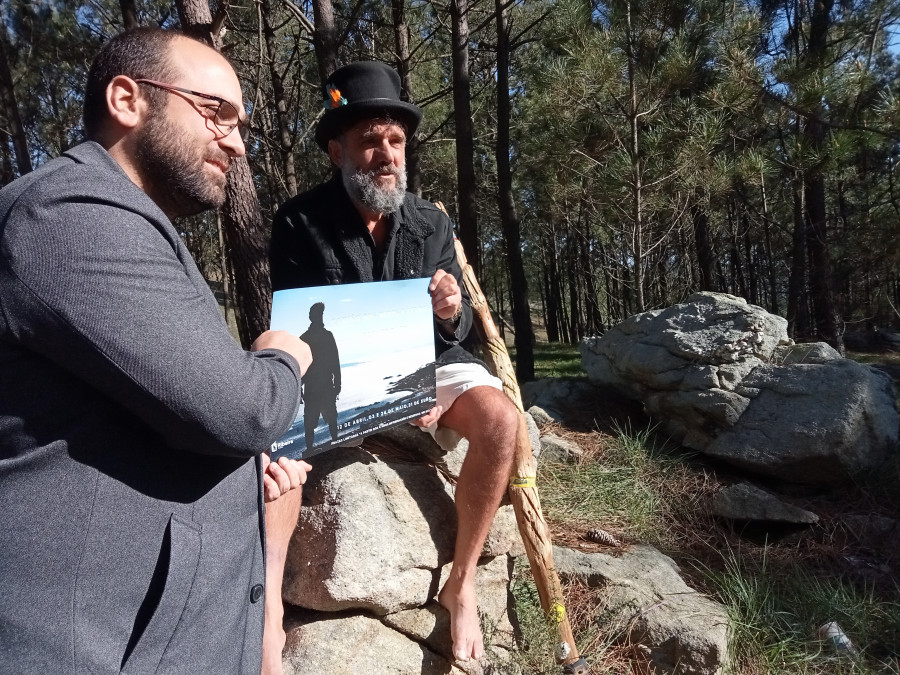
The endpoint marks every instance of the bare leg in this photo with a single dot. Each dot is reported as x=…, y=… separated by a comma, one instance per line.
x=281, y=520
x=489, y=420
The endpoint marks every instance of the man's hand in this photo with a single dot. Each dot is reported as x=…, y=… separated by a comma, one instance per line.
x=446, y=298
x=429, y=418
x=281, y=339
x=282, y=476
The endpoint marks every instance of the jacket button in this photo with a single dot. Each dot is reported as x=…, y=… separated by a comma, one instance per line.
x=256, y=593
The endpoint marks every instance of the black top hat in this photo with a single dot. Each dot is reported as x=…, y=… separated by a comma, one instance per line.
x=363, y=90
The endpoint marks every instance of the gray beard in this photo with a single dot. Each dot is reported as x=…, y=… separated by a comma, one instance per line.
x=363, y=188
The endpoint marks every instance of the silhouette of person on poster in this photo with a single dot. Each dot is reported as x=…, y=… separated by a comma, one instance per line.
x=322, y=381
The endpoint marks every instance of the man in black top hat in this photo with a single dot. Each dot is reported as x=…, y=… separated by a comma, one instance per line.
x=363, y=225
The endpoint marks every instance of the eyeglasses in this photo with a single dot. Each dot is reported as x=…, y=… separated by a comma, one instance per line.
x=225, y=116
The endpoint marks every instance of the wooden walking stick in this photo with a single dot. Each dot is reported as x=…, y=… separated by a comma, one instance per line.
x=522, y=490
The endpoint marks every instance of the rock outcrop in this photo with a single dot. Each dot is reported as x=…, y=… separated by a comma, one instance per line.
x=647, y=604
x=723, y=378
x=747, y=503
x=372, y=548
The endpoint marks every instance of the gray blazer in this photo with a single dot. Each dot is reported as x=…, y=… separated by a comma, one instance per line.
x=131, y=514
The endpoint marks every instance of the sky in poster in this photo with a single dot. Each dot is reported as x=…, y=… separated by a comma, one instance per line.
x=370, y=321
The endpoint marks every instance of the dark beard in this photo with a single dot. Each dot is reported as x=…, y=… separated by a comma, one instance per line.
x=363, y=188
x=176, y=178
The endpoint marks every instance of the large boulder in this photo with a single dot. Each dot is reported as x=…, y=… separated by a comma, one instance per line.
x=746, y=502
x=723, y=378
x=373, y=546
x=812, y=422
x=371, y=535
x=649, y=605
x=375, y=534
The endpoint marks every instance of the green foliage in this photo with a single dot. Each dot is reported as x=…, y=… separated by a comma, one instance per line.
x=776, y=611
x=630, y=124
x=624, y=485
x=536, y=654
x=555, y=359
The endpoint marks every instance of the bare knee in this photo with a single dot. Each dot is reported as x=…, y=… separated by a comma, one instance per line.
x=503, y=416
x=491, y=420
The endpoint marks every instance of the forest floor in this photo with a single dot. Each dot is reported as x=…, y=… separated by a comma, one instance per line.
x=778, y=585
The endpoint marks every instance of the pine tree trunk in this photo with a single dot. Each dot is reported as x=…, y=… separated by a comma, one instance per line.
x=770, y=261
x=285, y=139
x=129, y=14
x=467, y=219
x=401, y=44
x=551, y=288
x=325, y=38
x=521, y=313
x=752, y=282
x=824, y=310
x=11, y=107
x=571, y=263
x=246, y=236
x=594, y=324
x=636, y=184
x=796, y=311
x=705, y=260
x=7, y=174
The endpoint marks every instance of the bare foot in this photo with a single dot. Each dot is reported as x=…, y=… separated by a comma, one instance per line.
x=459, y=600
x=273, y=646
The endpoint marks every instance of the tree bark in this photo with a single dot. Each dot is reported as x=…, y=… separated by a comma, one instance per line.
x=7, y=174
x=571, y=261
x=705, y=260
x=401, y=44
x=796, y=310
x=824, y=309
x=11, y=107
x=551, y=287
x=521, y=313
x=770, y=260
x=752, y=263
x=637, y=205
x=285, y=138
x=129, y=14
x=325, y=38
x=246, y=236
x=467, y=219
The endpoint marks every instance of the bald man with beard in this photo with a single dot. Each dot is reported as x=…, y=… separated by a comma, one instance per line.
x=132, y=425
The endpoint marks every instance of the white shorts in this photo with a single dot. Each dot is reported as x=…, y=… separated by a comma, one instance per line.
x=453, y=380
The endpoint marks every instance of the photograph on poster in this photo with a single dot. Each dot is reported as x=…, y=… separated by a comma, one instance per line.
x=373, y=360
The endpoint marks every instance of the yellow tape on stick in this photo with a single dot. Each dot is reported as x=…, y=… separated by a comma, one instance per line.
x=557, y=612
x=523, y=482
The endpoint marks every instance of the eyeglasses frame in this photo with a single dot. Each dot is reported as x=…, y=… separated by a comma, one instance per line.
x=242, y=126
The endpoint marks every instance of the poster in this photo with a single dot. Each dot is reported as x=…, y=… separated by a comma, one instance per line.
x=373, y=360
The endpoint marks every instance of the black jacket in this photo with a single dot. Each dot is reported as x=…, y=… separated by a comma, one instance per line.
x=319, y=238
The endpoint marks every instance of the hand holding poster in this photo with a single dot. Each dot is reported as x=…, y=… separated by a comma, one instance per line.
x=373, y=360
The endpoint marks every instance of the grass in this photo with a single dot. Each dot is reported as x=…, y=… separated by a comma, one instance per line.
x=889, y=358
x=554, y=359
x=640, y=488
x=775, y=617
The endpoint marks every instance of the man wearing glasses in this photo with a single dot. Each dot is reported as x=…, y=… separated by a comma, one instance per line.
x=132, y=425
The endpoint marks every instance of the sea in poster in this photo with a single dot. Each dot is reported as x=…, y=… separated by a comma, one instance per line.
x=383, y=333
